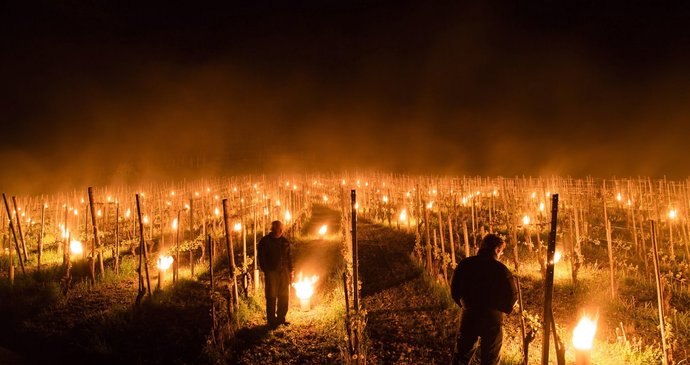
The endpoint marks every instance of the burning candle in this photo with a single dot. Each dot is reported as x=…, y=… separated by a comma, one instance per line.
x=526, y=220
x=323, y=230
x=583, y=337
x=164, y=262
x=304, y=289
x=403, y=215
x=75, y=247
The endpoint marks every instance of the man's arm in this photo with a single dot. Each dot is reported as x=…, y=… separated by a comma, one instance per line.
x=509, y=292
x=261, y=248
x=456, y=286
x=288, y=257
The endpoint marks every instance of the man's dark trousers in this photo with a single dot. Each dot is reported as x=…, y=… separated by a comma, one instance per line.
x=485, y=325
x=277, y=291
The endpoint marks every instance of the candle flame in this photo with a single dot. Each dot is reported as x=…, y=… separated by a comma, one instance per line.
x=237, y=227
x=75, y=247
x=403, y=215
x=164, y=262
x=557, y=256
x=526, y=220
x=288, y=216
x=174, y=223
x=583, y=334
x=323, y=230
x=304, y=286
x=672, y=214
x=385, y=199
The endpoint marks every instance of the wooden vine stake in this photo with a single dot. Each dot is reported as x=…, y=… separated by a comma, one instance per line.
x=355, y=271
x=212, y=288
x=19, y=228
x=16, y=242
x=548, y=287
x=96, y=241
x=659, y=293
x=143, y=257
x=232, y=285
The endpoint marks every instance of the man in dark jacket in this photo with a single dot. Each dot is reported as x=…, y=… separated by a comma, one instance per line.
x=485, y=289
x=276, y=263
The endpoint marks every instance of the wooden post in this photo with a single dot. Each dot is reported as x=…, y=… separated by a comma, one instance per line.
x=548, y=287
x=659, y=294
x=347, y=316
x=466, y=237
x=176, y=263
x=96, y=240
x=192, y=238
x=142, y=247
x=40, y=238
x=16, y=242
x=232, y=286
x=443, y=240
x=355, y=268
x=117, y=238
x=355, y=253
x=452, y=243
x=610, y=248
x=19, y=228
x=429, y=263
x=525, y=340
x=209, y=241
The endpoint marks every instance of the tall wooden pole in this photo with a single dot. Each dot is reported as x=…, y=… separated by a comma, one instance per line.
x=96, y=240
x=355, y=253
x=232, y=287
x=40, y=238
x=142, y=247
x=659, y=293
x=19, y=229
x=14, y=235
x=548, y=287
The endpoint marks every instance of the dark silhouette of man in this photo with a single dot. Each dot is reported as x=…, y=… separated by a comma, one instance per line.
x=276, y=263
x=485, y=290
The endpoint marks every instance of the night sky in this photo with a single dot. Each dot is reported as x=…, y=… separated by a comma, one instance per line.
x=97, y=92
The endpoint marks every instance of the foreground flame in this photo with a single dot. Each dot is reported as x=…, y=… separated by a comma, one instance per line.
x=557, y=256
x=164, y=262
x=583, y=334
x=304, y=287
x=75, y=247
x=403, y=215
x=323, y=230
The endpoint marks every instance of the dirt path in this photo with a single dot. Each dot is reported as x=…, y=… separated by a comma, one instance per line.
x=407, y=323
x=311, y=337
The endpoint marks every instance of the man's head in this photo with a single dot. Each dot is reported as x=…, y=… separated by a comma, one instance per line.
x=492, y=245
x=277, y=228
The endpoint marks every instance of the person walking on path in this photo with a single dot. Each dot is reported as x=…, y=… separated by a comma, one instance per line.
x=485, y=290
x=275, y=261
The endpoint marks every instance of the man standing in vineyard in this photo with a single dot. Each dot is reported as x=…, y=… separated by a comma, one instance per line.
x=485, y=289
x=276, y=263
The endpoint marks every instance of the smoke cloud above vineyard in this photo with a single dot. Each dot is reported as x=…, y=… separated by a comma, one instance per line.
x=105, y=94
